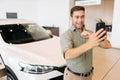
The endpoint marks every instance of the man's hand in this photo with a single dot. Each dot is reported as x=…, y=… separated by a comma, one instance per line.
x=96, y=38
x=85, y=34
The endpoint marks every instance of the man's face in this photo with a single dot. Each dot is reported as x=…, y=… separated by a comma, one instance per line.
x=78, y=18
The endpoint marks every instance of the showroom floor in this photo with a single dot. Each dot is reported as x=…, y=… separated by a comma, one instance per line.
x=106, y=64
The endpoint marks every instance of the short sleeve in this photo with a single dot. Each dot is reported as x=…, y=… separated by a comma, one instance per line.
x=66, y=42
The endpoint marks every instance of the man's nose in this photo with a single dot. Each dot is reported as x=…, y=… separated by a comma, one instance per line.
x=80, y=19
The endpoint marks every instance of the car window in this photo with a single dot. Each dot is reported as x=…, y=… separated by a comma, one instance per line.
x=23, y=33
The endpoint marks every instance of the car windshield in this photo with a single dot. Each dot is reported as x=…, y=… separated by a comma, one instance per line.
x=23, y=33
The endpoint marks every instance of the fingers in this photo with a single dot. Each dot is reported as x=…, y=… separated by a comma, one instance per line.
x=85, y=34
x=97, y=37
x=101, y=34
x=101, y=39
x=99, y=31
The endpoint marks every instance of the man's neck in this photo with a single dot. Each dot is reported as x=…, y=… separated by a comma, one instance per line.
x=80, y=30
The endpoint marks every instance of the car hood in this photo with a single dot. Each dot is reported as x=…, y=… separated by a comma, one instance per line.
x=45, y=52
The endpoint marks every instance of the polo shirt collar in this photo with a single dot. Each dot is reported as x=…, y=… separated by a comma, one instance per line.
x=74, y=29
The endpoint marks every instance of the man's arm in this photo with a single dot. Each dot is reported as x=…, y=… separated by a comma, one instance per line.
x=75, y=52
x=93, y=41
x=105, y=44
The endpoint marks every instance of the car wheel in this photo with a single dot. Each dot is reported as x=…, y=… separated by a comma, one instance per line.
x=10, y=76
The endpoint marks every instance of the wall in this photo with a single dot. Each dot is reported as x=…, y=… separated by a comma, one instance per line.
x=115, y=39
x=54, y=13
x=44, y=12
x=103, y=11
x=26, y=9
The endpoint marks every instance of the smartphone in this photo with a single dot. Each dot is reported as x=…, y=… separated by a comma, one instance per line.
x=99, y=26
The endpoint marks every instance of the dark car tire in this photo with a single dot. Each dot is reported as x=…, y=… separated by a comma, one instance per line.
x=10, y=74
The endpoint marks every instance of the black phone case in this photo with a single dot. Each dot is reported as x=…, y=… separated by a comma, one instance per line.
x=100, y=25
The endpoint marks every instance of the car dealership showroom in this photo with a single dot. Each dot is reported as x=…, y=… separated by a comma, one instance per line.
x=34, y=46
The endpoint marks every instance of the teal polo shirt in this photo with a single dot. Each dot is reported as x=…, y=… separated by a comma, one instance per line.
x=72, y=39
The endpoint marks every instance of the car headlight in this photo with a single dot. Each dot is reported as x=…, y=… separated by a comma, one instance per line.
x=36, y=69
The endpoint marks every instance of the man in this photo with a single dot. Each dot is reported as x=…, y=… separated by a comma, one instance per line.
x=77, y=44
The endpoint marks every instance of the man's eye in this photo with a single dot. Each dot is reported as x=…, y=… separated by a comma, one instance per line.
x=76, y=17
x=82, y=16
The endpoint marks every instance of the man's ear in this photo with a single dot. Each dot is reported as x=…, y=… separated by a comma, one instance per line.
x=71, y=17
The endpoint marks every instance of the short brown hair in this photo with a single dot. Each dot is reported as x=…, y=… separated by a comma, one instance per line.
x=76, y=8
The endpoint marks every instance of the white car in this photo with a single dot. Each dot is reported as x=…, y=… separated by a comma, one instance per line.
x=29, y=52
